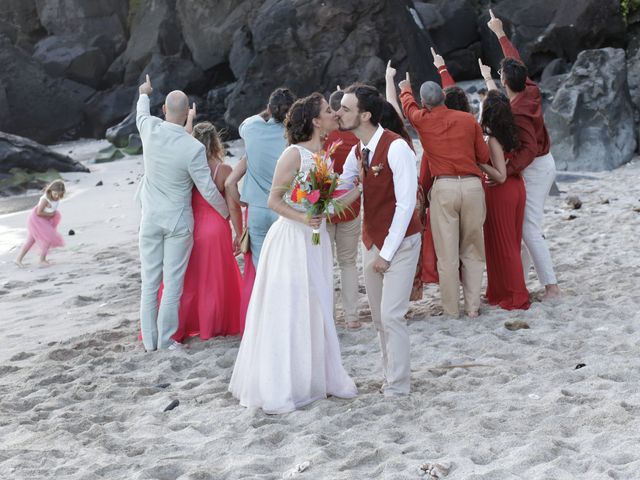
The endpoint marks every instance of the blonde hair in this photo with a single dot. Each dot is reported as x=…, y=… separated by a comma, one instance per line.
x=206, y=133
x=55, y=186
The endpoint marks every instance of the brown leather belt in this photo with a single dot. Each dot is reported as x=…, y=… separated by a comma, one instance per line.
x=459, y=177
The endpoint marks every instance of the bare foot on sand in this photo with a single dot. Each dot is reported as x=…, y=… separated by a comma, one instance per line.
x=45, y=263
x=19, y=263
x=551, y=292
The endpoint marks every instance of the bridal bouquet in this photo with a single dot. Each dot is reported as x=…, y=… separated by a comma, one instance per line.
x=316, y=190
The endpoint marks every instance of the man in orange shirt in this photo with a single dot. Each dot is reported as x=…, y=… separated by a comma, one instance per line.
x=453, y=144
x=345, y=230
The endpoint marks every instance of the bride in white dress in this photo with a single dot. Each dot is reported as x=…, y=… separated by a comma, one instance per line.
x=289, y=356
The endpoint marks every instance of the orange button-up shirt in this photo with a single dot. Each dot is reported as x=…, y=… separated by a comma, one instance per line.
x=527, y=113
x=453, y=142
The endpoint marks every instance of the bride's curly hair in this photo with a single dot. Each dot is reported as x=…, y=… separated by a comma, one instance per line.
x=206, y=133
x=497, y=120
x=298, y=123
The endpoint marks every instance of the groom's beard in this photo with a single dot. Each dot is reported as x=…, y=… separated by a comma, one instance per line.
x=347, y=128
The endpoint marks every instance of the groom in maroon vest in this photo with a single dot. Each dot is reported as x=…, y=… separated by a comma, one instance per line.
x=386, y=168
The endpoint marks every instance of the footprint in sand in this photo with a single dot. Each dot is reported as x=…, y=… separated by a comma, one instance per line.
x=81, y=301
x=4, y=369
x=56, y=379
x=162, y=472
x=21, y=356
x=39, y=293
x=62, y=354
x=14, y=284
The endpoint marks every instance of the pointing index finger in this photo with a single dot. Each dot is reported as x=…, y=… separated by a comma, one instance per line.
x=433, y=52
x=148, y=79
x=491, y=13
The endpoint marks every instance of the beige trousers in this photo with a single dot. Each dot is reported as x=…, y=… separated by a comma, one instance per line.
x=388, y=294
x=344, y=244
x=458, y=211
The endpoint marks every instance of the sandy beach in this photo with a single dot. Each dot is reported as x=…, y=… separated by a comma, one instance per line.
x=80, y=399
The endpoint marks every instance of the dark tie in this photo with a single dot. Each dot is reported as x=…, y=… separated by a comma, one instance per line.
x=365, y=160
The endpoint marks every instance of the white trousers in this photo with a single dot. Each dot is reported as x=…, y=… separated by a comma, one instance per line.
x=164, y=256
x=389, y=294
x=538, y=179
x=345, y=237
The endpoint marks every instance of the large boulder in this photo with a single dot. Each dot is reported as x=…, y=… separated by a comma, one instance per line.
x=109, y=107
x=633, y=68
x=38, y=106
x=154, y=30
x=23, y=17
x=546, y=29
x=72, y=57
x=85, y=18
x=25, y=154
x=591, y=117
x=310, y=48
x=209, y=27
x=457, y=38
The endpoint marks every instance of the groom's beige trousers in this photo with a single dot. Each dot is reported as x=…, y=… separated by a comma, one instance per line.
x=345, y=237
x=389, y=294
x=164, y=256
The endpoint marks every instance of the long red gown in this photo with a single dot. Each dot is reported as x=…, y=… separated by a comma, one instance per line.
x=210, y=302
x=502, y=240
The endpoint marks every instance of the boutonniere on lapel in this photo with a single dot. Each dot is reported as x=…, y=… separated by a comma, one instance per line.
x=376, y=169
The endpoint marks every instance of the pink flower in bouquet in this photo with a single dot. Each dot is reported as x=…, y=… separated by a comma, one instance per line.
x=313, y=197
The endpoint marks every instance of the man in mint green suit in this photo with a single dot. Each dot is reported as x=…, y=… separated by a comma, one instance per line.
x=173, y=162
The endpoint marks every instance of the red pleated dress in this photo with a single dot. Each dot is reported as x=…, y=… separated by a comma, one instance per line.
x=502, y=239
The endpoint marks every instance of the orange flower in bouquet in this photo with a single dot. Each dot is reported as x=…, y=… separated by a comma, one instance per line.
x=316, y=190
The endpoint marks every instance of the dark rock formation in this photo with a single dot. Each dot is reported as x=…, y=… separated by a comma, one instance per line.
x=591, y=117
x=315, y=48
x=86, y=19
x=19, y=152
x=72, y=57
x=154, y=31
x=209, y=29
x=39, y=106
x=456, y=36
x=547, y=29
x=109, y=107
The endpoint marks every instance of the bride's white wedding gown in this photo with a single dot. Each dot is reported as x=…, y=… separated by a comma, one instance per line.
x=289, y=355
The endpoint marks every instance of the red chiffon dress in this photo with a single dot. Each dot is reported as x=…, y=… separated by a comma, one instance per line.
x=502, y=240
x=210, y=301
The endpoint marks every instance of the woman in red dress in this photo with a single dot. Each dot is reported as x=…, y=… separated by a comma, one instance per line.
x=505, y=198
x=210, y=302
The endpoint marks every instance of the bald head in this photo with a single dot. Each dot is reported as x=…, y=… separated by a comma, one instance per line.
x=176, y=107
x=431, y=94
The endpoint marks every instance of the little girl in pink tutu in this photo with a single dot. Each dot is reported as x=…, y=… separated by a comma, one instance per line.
x=42, y=223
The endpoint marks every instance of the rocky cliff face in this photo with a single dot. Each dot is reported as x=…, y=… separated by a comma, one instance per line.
x=71, y=67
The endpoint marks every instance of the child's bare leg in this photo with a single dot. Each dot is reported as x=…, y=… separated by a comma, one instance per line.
x=23, y=251
x=43, y=256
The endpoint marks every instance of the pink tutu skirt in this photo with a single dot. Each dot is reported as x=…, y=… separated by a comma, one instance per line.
x=43, y=230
